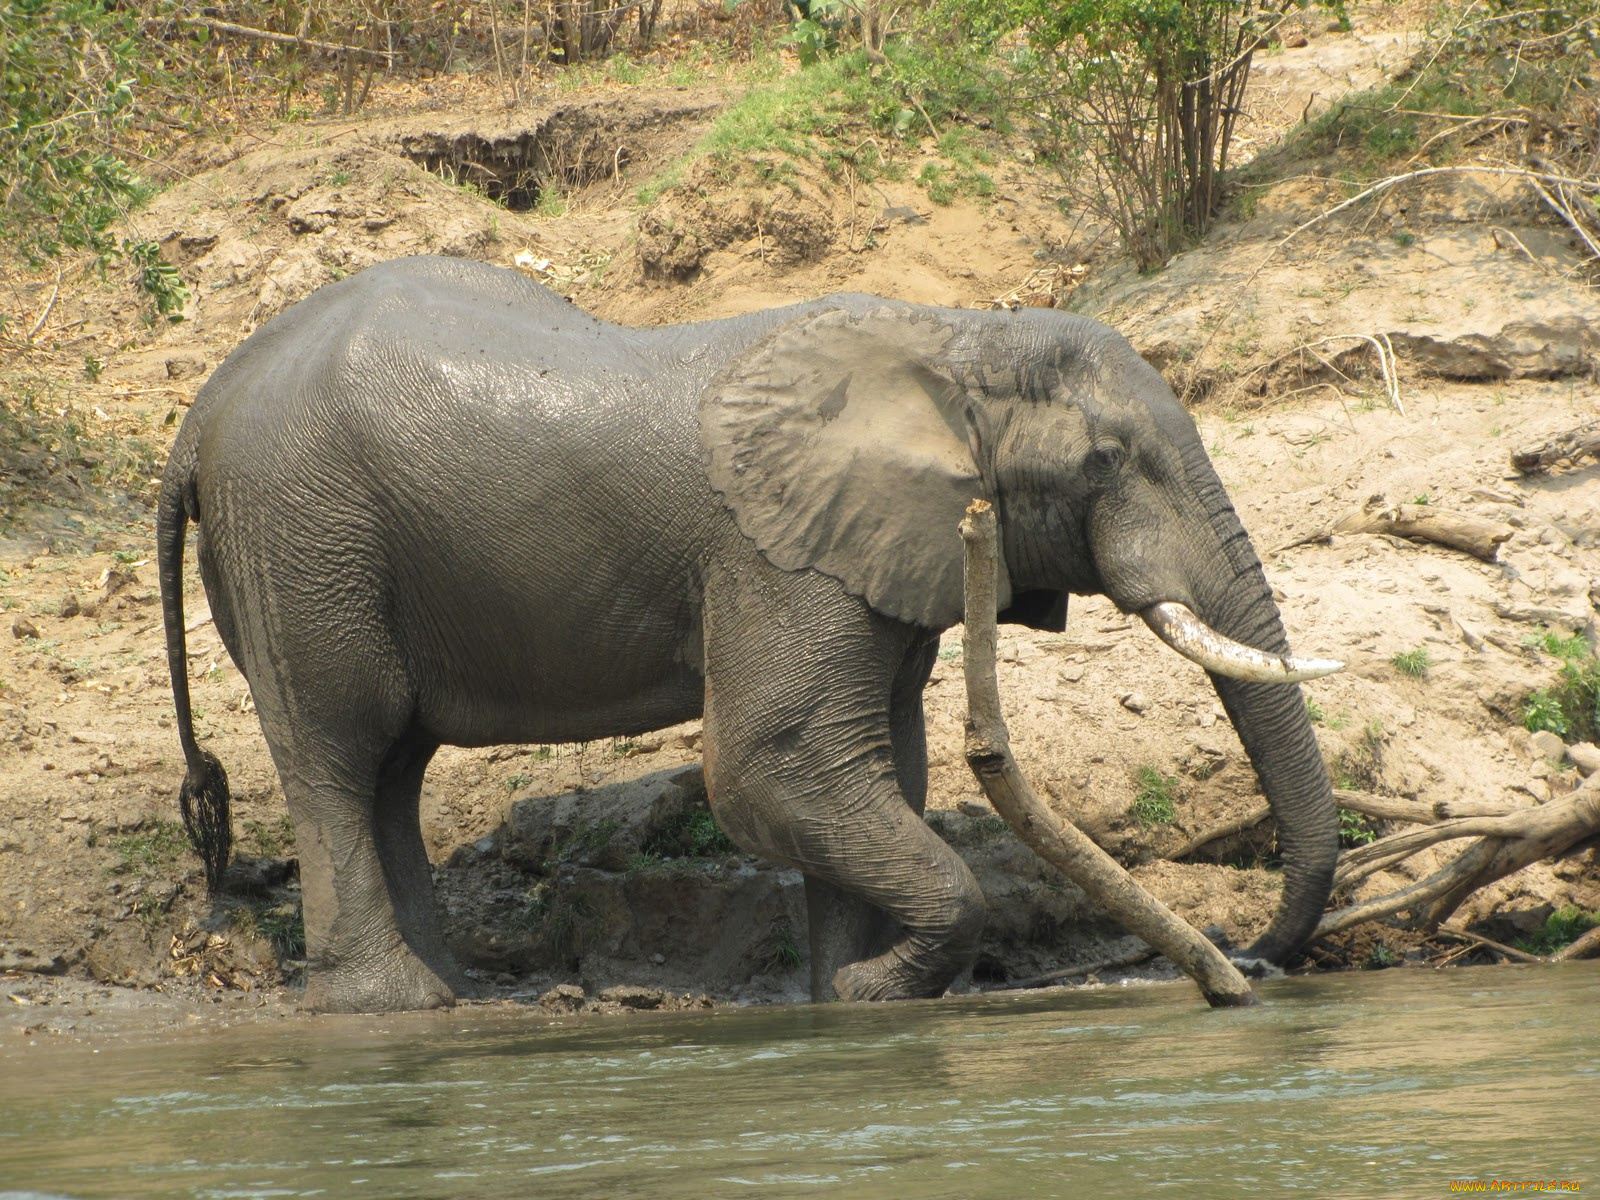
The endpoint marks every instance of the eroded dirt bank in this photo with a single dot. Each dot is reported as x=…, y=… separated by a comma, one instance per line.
x=597, y=866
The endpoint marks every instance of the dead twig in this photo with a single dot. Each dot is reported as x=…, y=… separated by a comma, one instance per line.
x=1511, y=952
x=48, y=308
x=988, y=753
x=1094, y=968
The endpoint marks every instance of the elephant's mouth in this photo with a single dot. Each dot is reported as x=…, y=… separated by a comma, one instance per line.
x=1178, y=626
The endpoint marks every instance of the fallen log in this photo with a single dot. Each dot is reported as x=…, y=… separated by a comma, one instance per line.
x=988, y=753
x=1569, y=447
x=1419, y=522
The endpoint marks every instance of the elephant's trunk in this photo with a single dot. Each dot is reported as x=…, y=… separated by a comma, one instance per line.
x=1270, y=718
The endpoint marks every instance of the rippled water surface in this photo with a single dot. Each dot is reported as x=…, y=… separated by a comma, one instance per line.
x=1384, y=1084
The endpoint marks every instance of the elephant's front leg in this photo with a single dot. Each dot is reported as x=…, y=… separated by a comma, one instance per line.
x=801, y=681
x=844, y=927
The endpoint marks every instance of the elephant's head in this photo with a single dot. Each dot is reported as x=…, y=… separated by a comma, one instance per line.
x=851, y=442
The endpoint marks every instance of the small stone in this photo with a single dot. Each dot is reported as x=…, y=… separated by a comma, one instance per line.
x=21, y=628
x=658, y=959
x=1538, y=789
x=1134, y=702
x=70, y=607
x=1547, y=745
x=1586, y=757
x=1071, y=673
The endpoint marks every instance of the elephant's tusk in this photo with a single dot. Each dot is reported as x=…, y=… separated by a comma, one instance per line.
x=1177, y=626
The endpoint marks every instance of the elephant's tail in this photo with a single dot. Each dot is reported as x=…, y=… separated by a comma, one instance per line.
x=203, y=798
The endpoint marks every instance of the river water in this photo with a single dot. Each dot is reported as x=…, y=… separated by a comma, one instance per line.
x=1392, y=1084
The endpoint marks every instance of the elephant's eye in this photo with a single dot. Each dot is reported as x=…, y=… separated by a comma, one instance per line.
x=1105, y=460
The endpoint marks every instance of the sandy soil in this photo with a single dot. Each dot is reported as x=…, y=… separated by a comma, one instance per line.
x=95, y=889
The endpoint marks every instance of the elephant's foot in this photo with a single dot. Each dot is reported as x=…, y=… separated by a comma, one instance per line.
x=399, y=982
x=913, y=968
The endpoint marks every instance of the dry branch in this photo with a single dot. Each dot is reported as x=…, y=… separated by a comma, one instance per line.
x=1422, y=522
x=1419, y=812
x=1582, y=442
x=988, y=753
x=1473, y=939
x=356, y=53
x=1507, y=844
x=1223, y=829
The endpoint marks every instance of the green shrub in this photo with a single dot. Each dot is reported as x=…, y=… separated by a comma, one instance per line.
x=1560, y=928
x=1414, y=663
x=1139, y=99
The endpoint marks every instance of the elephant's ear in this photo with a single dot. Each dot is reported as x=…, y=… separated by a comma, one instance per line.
x=841, y=444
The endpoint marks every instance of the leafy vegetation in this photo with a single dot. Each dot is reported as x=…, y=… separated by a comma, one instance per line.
x=1560, y=928
x=1355, y=829
x=283, y=927
x=1154, y=802
x=1569, y=707
x=694, y=834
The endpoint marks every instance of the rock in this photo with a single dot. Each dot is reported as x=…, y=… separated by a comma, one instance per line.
x=564, y=997
x=1071, y=673
x=1547, y=745
x=21, y=628
x=629, y=996
x=185, y=366
x=1134, y=702
x=1586, y=757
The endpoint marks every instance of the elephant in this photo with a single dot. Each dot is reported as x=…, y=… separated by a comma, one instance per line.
x=439, y=504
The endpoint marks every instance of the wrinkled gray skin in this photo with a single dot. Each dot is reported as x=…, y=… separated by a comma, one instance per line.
x=439, y=505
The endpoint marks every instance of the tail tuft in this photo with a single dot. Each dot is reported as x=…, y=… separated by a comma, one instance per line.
x=203, y=800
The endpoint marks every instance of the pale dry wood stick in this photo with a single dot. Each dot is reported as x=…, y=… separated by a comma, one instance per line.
x=1423, y=522
x=988, y=753
x=1420, y=812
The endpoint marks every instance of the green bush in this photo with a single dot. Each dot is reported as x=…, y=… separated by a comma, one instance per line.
x=1139, y=100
